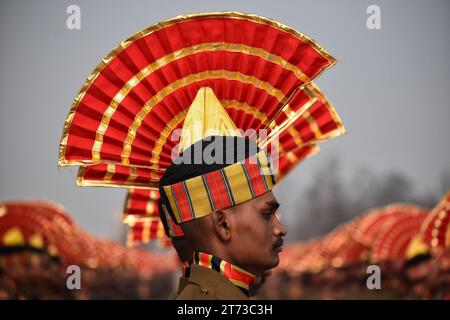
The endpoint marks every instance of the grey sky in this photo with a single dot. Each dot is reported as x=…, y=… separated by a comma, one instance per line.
x=390, y=86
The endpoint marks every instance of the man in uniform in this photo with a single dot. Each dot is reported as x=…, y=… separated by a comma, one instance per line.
x=219, y=191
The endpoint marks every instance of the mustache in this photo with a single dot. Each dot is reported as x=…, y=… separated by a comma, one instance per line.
x=278, y=243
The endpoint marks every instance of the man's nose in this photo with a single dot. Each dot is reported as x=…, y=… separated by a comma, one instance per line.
x=280, y=229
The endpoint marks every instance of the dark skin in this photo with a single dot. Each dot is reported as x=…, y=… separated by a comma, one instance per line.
x=183, y=248
x=248, y=235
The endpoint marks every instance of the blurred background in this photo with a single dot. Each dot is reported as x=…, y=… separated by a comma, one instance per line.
x=390, y=86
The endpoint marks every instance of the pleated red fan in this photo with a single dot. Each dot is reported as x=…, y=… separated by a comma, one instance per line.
x=351, y=252
x=142, y=216
x=51, y=211
x=302, y=257
x=391, y=242
x=121, y=176
x=339, y=248
x=26, y=225
x=336, y=249
x=140, y=92
x=141, y=203
x=288, y=160
x=435, y=229
x=36, y=223
x=312, y=261
x=307, y=119
x=144, y=230
x=373, y=222
x=50, y=221
x=15, y=231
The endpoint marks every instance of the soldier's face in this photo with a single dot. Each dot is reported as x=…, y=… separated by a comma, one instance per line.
x=256, y=234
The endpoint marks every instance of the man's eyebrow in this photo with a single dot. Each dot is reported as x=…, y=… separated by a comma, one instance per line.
x=273, y=204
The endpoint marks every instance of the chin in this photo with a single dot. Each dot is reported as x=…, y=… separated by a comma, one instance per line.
x=274, y=261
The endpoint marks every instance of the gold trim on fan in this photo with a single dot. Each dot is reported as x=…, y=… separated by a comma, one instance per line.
x=286, y=124
x=314, y=90
x=131, y=220
x=81, y=182
x=294, y=160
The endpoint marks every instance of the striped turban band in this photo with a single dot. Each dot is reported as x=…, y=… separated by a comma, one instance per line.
x=225, y=187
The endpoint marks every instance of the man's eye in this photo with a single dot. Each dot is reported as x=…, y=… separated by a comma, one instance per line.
x=267, y=215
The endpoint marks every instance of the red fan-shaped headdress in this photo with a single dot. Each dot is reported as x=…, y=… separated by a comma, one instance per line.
x=435, y=231
x=140, y=92
x=121, y=123
x=392, y=241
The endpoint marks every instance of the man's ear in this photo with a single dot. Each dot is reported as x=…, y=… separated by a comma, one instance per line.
x=221, y=222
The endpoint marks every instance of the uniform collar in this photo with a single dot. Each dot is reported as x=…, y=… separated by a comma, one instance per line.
x=212, y=284
x=239, y=277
